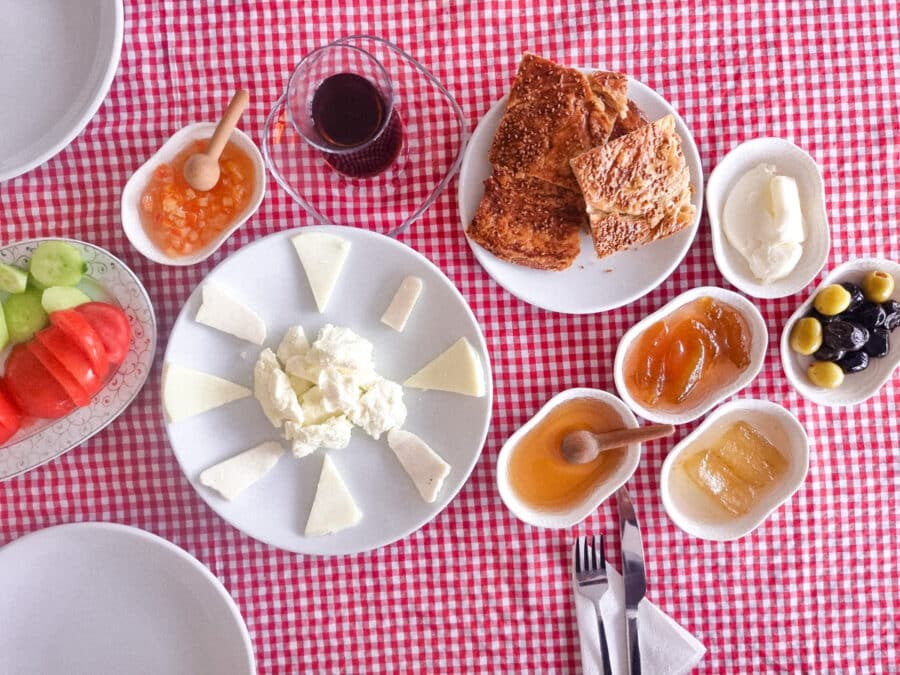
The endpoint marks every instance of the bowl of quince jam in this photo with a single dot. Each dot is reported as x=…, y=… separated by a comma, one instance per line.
x=676, y=364
x=173, y=224
x=746, y=459
x=535, y=480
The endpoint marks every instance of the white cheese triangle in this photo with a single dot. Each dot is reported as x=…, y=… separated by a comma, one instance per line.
x=234, y=475
x=426, y=468
x=322, y=256
x=397, y=313
x=188, y=392
x=458, y=370
x=222, y=312
x=333, y=508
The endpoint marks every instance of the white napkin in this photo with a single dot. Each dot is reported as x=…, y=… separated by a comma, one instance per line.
x=666, y=647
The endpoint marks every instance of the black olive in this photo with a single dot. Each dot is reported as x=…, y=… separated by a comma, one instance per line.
x=879, y=343
x=845, y=335
x=856, y=295
x=853, y=362
x=826, y=353
x=891, y=314
x=821, y=318
x=869, y=315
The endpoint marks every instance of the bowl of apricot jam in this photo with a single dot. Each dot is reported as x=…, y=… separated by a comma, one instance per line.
x=171, y=223
x=676, y=364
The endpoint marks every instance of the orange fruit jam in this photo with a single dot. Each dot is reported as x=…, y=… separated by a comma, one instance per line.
x=181, y=220
x=681, y=358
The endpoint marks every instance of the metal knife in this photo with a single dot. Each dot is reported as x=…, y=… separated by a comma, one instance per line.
x=633, y=575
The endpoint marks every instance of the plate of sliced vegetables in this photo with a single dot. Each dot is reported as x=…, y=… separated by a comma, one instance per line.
x=77, y=340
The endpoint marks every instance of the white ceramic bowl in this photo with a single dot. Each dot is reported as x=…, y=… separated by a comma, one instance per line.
x=789, y=160
x=759, y=336
x=131, y=195
x=601, y=492
x=691, y=510
x=856, y=387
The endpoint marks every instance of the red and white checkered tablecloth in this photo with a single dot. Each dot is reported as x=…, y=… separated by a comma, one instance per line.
x=815, y=590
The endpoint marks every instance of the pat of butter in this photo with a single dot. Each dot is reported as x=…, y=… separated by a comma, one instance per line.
x=397, y=313
x=763, y=221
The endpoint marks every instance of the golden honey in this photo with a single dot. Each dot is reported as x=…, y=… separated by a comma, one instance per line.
x=539, y=474
x=737, y=469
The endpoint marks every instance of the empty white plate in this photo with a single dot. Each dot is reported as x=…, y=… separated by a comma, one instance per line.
x=57, y=61
x=107, y=599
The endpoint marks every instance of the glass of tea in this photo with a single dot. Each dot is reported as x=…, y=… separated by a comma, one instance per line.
x=341, y=101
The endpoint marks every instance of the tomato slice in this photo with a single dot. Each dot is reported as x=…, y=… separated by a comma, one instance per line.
x=9, y=417
x=33, y=388
x=111, y=325
x=82, y=334
x=71, y=357
x=55, y=367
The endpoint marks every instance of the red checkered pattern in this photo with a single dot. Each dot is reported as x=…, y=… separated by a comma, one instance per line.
x=814, y=590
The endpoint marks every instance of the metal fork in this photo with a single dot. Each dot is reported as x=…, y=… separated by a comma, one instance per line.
x=591, y=582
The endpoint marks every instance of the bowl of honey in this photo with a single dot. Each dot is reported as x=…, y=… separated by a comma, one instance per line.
x=535, y=480
x=171, y=223
x=745, y=460
x=679, y=362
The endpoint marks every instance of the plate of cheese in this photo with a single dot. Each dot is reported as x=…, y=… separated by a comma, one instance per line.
x=327, y=390
x=580, y=191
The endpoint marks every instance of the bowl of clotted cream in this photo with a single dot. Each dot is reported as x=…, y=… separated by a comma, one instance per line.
x=766, y=206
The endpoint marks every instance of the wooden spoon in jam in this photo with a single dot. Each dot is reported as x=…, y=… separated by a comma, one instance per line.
x=201, y=171
x=581, y=447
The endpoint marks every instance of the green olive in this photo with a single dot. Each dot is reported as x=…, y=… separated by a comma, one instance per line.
x=878, y=286
x=832, y=300
x=825, y=374
x=806, y=336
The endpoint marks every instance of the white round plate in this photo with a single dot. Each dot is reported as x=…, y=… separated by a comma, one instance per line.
x=107, y=599
x=267, y=277
x=107, y=279
x=57, y=61
x=590, y=284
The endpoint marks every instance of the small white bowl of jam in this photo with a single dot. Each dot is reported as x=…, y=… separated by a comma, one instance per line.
x=537, y=483
x=676, y=364
x=172, y=224
x=746, y=459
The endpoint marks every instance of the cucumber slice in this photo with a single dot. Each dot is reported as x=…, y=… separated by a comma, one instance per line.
x=24, y=315
x=56, y=263
x=56, y=298
x=12, y=279
x=4, y=331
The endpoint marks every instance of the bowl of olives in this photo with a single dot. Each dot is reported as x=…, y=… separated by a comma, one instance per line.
x=837, y=349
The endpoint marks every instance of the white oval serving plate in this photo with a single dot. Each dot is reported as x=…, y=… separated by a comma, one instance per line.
x=106, y=599
x=602, y=491
x=856, y=387
x=131, y=195
x=591, y=284
x=693, y=511
x=759, y=337
x=788, y=160
x=58, y=62
x=107, y=279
